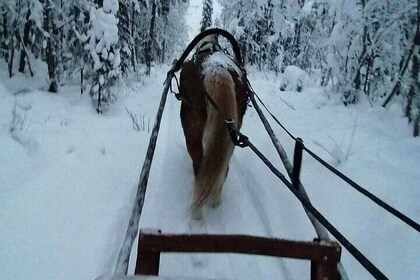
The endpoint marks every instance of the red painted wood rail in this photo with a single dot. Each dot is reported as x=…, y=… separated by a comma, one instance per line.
x=324, y=256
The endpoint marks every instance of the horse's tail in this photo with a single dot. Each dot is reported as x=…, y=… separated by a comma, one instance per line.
x=217, y=144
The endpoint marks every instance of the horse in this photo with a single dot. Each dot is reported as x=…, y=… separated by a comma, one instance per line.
x=213, y=88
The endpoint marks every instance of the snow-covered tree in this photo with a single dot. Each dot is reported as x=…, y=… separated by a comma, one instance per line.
x=127, y=32
x=104, y=52
x=90, y=42
x=18, y=18
x=52, y=39
x=77, y=61
x=163, y=31
x=243, y=19
x=5, y=19
x=172, y=35
x=363, y=49
x=413, y=95
x=206, y=15
x=150, y=38
x=24, y=39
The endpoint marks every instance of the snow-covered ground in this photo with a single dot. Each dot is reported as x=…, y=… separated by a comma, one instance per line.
x=68, y=179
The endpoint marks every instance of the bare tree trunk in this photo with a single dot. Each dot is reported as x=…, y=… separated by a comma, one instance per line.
x=60, y=45
x=416, y=130
x=4, y=36
x=11, y=55
x=297, y=39
x=296, y=44
x=397, y=86
x=369, y=62
x=165, y=18
x=99, y=109
x=81, y=80
x=150, y=39
x=133, y=47
x=11, y=46
x=364, y=57
x=51, y=49
x=404, y=66
x=25, y=43
x=410, y=103
x=413, y=98
x=415, y=73
x=413, y=101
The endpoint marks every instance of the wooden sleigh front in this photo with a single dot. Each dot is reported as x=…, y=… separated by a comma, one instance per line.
x=324, y=256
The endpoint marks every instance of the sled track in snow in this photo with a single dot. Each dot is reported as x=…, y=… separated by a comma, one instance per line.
x=172, y=187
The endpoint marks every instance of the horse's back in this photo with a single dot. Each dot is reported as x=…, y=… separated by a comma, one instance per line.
x=192, y=86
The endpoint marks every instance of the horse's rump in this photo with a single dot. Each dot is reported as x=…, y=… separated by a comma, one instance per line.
x=207, y=138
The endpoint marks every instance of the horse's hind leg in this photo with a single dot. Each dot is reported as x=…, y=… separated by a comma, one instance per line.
x=216, y=198
x=193, y=126
x=195, y=150
x=197, y=213
x=216, y=195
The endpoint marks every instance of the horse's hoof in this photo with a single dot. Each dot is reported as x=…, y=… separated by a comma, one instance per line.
x=215, y=203
x=197, y=214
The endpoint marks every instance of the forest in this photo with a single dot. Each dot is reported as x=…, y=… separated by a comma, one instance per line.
x=361, y=50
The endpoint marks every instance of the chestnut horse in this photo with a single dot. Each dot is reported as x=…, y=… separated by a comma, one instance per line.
x=206, y=134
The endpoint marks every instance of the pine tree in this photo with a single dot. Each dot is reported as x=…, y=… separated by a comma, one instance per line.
x=163, y=31
x=128, y=10
x=105, y=55
x=206, y=14
x=244, y=18
x=269, y=51
x=164, y=9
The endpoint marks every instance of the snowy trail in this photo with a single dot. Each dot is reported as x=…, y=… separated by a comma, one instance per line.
x=242, y=211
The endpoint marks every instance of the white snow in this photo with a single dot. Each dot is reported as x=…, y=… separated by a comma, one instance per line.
x=110, y=6
x=294, y=78
x=219, y=59
x=68, y=178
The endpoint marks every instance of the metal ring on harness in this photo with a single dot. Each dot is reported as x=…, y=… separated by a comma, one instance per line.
x=238, y=138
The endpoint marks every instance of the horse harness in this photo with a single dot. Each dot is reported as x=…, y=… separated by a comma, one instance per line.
x=207, y=48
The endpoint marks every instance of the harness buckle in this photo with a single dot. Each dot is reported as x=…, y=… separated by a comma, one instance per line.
x=238, y=138
x=178, y=94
